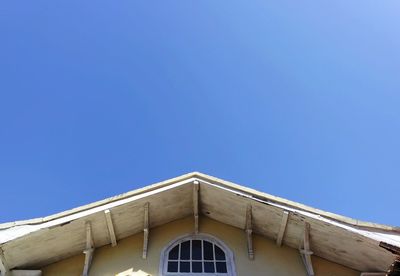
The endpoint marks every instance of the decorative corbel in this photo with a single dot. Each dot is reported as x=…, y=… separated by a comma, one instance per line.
x=196, y=205
x=110, y=226
x=306, y=252
x=282, y=229
x=89, y=249
x=249, y=231
x=145, y=230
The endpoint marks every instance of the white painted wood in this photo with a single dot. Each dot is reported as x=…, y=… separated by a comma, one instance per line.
x=26, y=272
x=110, y=227
x=282, y=229
x=196, y=206
x=4, y=271
x=88, y=261
x=145, y=230
x=89, y=249
x=89, y=236
x=26, y=229
x=249, y=231
x=348, y=242
x=306, y=252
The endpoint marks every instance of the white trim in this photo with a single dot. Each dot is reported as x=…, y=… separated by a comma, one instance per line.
x=22, y=230
x=110, y=226
x=249, y=231
x=306, y=252
x=16, y=231
x=196, y=205
x=89, y=249
x=145, y=230
x=230, y=259
x=392, y=238
x=282, y=229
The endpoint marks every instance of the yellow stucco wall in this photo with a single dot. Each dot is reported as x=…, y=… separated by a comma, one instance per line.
x=127, y=255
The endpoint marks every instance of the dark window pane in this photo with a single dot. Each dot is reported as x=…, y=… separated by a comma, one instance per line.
x=196, y=250
x=173, y=254
x=209, y=267
x=219, y=254
x=172, y=266
x=185, y=250
x=197, y=267
x=208, y=251
x=184, y=267
x=221, y=267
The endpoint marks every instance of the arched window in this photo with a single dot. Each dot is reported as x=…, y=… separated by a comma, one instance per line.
x=197, y=255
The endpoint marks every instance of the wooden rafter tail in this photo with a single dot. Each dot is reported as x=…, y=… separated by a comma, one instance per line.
x=146, y=230
x=306, y=252
x=110, y=226
x=249, y=232
x=196, y=186
x=89, y=249
x=282, y=229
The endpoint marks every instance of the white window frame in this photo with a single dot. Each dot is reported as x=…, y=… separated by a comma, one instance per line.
x=230, y=261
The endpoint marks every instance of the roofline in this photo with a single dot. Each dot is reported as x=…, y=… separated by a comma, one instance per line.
x=207, y=178
x=145, y=189
x=292, y=204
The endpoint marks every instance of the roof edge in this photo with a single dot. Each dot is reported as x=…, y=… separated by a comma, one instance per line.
x=131, y=193
x=289, y=203
x=207, y=178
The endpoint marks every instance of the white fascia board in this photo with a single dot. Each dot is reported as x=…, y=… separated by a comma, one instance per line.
x=15, y=232
x=393, y=239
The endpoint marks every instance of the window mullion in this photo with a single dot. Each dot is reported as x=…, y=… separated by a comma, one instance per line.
x=179, y=258
x=190, y=256
x=201, y=258
x=214, y=259
x=202, y=255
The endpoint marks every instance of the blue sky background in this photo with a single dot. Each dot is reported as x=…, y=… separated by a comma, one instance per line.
x=297, y=99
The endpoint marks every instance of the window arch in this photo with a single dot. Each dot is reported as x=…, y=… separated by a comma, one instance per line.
x=197, y=255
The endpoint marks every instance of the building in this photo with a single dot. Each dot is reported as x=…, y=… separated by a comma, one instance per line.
x=196, y=224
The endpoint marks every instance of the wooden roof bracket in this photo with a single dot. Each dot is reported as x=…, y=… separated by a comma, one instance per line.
x=196, y=186
x=282, y=229
x=249, y=232
x=89, y=249
x=305, y=252
x=145, y=230
x=110, y=226
x=4, y=271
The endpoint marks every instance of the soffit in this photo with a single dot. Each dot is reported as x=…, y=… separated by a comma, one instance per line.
x=338, y=239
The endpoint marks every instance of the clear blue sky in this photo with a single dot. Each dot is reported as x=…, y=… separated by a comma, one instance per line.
x=297, y=99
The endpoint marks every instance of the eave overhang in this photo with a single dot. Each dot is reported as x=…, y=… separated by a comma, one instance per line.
x=25, y=244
